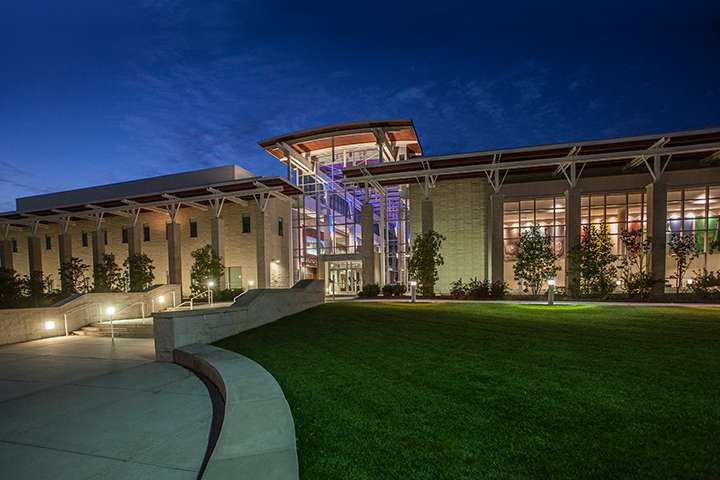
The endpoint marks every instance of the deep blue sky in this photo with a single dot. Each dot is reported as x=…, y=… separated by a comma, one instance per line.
x=95, y=92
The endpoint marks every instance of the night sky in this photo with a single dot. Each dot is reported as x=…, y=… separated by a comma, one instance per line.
x=97, y=92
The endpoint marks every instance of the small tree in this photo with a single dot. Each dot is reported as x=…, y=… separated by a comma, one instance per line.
x=636, y=279
x=535, y=260
x=33, y=287
x=207, y=266
x=594, y=261
x=72, y=275
x=682, y=249
x=425, y=260
x=107, y=275
x=139, y=272
x=11, y=288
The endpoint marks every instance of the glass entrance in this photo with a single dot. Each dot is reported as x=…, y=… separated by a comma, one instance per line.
x=345, y=276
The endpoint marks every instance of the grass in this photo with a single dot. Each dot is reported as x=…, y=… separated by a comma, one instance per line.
x=467, y=391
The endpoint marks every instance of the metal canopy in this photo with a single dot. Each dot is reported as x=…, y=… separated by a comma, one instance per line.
x=165, y=202
x=570, y=160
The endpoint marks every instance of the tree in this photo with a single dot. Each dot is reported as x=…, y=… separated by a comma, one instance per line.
x=425, y=260
x=636, y=279
x=682, y=249
x=11, y=288
x=72, y=275
x=207, y=266
x=535, y=260
x=107, y=275
x=593, y=261
x=33, y=287
x=139, y=270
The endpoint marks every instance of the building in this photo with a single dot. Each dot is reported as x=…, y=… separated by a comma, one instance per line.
x=348, y=183
x=244, y=217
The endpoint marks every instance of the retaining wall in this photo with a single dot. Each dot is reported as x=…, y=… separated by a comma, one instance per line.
x=256, y=307
x=23, y=324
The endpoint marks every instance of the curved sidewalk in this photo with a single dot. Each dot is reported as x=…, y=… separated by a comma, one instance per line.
x=80, y=408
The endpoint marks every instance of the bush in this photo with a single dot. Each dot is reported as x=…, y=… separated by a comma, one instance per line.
x=387, y=290
x=11, y=287
x=477, y=290
x=705, y=283
x=370, y=290
x=399, y=289
x=498, y=289
x=228, y=294
x=457, y=289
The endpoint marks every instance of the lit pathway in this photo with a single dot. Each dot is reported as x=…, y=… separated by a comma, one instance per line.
x=79, y=408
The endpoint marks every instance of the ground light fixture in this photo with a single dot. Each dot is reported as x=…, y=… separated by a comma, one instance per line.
x=50, y=325
x=689, y=281
x=161, y=299
x=250, y=283
x=110, y=311
x=551, y=291
x=413, y=291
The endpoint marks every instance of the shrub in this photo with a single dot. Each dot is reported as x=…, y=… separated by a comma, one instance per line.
x=682, y=249
x=387, y=290
x=424, y=262
x=399, y=289
x=228, y=294
x=72, y=276
x=477, y=289
x=635, y=277
x=535, y=260
x=498, y=289
x=11, y=287
x=207, y=266
x=139, y=270
x=705, y=283
x=370, y=290
x=457, y=289
x=107, y=276
x=592, y=259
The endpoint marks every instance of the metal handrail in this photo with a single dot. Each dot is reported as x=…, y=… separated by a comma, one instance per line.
x=77, y=309
x=190, y=302
x=142, y=308
x=239, y=295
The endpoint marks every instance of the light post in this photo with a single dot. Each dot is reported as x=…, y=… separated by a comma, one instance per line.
x=160, y=301
x=110, y=311
x=413, y=291
x=551, y=291
x=210, y=285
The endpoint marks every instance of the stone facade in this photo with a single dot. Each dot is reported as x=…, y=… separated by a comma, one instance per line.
x=460, y=213
x=240, y=248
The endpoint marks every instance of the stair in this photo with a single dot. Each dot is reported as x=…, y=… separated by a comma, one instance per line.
x=132, y=328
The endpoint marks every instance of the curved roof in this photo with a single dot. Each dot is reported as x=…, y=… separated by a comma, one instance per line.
x=319, y=138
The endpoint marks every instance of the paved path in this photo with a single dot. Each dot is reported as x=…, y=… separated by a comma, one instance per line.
x=81, y=408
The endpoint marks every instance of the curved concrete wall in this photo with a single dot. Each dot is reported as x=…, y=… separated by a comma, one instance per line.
x=256, y=307
x=256, y=437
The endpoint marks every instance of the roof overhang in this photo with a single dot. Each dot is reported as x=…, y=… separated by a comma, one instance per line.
x=342, y=135
x=236, y=191
x=688, y=149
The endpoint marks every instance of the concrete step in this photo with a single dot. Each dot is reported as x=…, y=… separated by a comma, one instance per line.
x=133, y=328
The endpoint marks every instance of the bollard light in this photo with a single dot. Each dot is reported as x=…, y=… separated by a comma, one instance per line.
x=250, y=283
x=210, y=284
x=551, y=291
x=413, y=291
x=110, y=310
x=689, y=281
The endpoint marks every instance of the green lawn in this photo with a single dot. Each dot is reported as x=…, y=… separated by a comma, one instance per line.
x=447, y=391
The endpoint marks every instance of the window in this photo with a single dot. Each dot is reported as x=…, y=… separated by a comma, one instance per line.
x=280, y=226
x=14, y=245
x=618, y=211
x=84, y=239
x=48, y=242
x=146, y=232
x=105, y=238
x=193, y=229
x=546, y=212
x=246, y=224
x=124, y=234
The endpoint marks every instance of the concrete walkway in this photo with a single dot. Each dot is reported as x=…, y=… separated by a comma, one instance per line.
x=83, y=408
